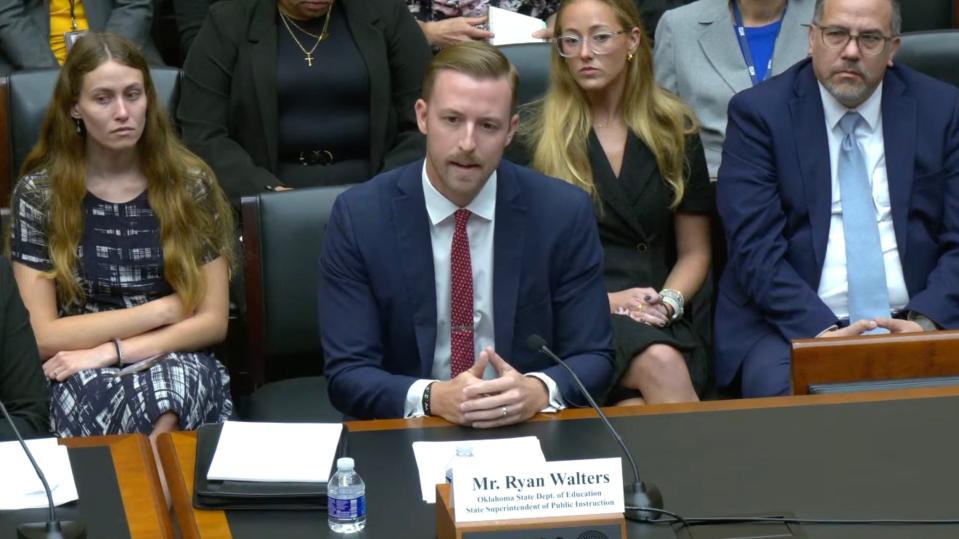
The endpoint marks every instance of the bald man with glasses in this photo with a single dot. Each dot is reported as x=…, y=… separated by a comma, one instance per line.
x=839, y=194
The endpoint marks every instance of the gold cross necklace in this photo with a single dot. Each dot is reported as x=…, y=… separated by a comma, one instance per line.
x=323, y=34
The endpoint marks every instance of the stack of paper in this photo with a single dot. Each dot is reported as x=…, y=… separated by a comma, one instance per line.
x=20, y=487
x=510, y=27
x=433, y=457
x=275, y=452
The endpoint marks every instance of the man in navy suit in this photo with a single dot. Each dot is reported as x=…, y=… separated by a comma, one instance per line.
x=839, y=193
x=434, y=275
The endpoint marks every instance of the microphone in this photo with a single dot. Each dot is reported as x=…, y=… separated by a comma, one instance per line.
x=52, y=528
x=638, y=496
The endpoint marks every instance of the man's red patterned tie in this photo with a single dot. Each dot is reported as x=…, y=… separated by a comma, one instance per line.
x=461, y=298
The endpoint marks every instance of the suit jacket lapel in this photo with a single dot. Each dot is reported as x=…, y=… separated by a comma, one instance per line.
x=719, y=45
x=263, y=48
x=899, y=135
x=639, y=166
x=508, y=242
x=411, y=223
x=790, y=43
x=369, y=41
x=812, y=147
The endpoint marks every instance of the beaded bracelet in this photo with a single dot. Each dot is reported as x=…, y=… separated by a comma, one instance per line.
x=427, y=393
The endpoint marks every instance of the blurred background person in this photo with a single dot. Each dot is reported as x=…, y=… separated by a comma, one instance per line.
x=607, y=127
x=709, y=50
x=445, y=22
x=34, y=33
x=288, y=93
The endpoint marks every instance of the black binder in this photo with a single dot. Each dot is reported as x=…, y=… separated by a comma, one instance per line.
x=232, y=495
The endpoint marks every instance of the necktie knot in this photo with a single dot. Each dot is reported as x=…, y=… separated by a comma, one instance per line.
x=462, y=216
x=849, y=122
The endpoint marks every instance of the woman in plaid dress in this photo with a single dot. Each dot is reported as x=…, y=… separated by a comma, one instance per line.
x=121, y=242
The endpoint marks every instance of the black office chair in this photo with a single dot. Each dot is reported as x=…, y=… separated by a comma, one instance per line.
x=29, y=96
x=282, y=241
x=935, y=53
x=532, y=63
x=918, y=15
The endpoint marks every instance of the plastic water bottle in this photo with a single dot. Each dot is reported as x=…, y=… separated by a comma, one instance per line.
x=463, y=451
x=346, y=495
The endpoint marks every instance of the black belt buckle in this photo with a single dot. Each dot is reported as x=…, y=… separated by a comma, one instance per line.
x=316, y=157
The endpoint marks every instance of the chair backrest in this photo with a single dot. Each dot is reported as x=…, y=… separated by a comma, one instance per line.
x=874, y=357
x=282, y=241
x=29, y=96
x=532, y=63
x=935, y=53
x=920, y=15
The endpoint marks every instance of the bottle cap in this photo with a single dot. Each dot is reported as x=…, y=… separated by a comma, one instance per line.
x=344, y=464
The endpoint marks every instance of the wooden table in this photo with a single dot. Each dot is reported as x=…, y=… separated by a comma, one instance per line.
x=178, y=450
x=143, y=502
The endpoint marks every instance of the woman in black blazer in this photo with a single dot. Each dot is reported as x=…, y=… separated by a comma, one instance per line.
x=287, y=94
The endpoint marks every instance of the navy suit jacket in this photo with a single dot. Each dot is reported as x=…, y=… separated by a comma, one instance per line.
x=774, y=196
x=378, y=294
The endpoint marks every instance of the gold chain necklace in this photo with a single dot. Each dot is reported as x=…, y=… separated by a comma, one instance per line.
x=323, y=34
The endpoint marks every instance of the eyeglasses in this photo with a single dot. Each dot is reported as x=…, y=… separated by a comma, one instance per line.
x=569, y=45
x=837, y=37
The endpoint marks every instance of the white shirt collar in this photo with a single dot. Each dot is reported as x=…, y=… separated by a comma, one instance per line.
x=440, y=208
x=870, y=109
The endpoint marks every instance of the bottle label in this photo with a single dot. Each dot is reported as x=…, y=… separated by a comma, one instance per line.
x=347, y=508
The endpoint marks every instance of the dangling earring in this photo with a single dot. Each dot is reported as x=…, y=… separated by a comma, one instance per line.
x=79, y=126
x=629, y=56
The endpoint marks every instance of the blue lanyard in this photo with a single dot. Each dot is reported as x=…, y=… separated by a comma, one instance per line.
x=744, y=45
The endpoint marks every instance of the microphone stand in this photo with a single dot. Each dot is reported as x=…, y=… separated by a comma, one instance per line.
x=52, y=528
x=638, y=496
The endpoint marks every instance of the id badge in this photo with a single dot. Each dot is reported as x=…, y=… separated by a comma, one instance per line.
x=70, y=38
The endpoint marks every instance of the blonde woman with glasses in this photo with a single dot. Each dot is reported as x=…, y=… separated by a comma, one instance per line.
x=605, y=126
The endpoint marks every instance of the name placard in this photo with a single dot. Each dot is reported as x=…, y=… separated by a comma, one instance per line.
x=491, y=490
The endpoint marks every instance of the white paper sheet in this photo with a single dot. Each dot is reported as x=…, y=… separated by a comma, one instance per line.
x=268, y=452
x=509, y=27
x=433, y=457
x=20, y=487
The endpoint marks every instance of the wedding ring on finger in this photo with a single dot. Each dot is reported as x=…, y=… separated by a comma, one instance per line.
x=505, y=411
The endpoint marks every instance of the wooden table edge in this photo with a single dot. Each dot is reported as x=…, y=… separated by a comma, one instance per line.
x=131, y=452
x=178, y=455
x=683, y=408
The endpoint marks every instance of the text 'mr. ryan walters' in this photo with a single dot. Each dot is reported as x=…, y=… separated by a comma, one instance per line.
x=557, y=479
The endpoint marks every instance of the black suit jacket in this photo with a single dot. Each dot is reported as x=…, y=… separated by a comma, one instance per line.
x=25, y=29
x=228, y=106
x=22, y=388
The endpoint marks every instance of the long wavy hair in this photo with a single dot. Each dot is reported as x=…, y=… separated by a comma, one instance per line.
x=559, y=127
x=189, y=225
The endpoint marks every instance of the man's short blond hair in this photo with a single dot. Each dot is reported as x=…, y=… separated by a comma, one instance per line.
x=476, y=59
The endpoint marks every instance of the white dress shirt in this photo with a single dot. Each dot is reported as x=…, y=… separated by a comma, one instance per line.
x=833, y=285
x=479, y=229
